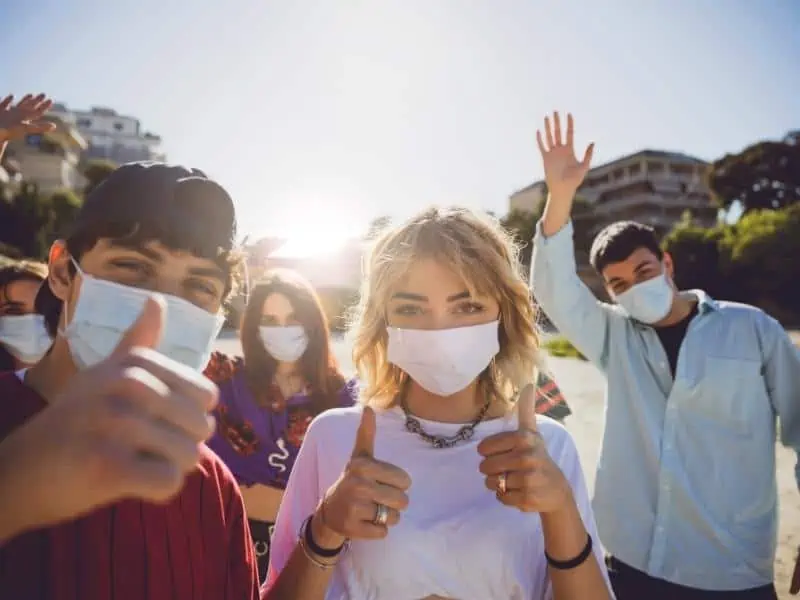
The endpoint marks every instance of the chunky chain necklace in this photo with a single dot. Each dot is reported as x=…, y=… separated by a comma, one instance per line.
x=440, y=441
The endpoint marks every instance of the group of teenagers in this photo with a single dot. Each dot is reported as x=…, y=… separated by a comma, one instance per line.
x=137, y=463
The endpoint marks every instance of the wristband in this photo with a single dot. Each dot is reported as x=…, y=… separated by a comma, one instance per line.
x=566, y=565
x=312, y=545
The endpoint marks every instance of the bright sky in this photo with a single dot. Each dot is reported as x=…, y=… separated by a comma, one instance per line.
x=319, y=115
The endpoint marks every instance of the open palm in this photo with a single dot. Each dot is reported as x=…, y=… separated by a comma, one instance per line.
x=24, y=118
x=563, y=172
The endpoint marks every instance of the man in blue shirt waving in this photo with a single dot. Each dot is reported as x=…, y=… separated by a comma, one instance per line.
x=685, y=495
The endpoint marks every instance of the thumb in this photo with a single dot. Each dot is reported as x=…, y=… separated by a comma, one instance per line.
x=526, y=409
x=146, y=331
x=365, y=436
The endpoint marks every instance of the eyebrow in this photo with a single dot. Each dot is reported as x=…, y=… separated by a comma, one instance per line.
x=641, y=265
x=146, y=252
x=421, y=298
x=214, y=272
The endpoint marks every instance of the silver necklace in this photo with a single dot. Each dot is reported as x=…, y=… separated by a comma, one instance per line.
x=441, y=441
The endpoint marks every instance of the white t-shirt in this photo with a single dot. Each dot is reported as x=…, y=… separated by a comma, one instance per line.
x=455, y=539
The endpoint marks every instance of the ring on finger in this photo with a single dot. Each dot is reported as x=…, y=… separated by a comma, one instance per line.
x=502, y=483
x=381, y=515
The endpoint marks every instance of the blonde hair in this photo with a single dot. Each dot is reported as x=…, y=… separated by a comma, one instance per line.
x=478, y=250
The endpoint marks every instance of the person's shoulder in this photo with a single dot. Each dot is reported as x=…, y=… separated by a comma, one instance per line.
x=747, y=314
x=19, y=402
x=335, y=423
x=221, y=367
x=211, y=468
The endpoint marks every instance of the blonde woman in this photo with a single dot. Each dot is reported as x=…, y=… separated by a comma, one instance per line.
x=433, y=487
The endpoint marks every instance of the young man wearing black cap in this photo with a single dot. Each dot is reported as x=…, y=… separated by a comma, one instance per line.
x=134, y=382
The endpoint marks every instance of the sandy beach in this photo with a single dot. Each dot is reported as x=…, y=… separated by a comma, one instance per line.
x=583, y=386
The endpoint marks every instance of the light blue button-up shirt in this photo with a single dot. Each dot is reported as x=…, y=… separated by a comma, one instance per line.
x=686, y=488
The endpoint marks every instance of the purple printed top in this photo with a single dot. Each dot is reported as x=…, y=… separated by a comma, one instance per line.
x=258, y=444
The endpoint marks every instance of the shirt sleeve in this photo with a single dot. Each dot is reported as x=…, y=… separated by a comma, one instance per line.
x=782, y=378
x=300, y=500
x=565, y=299
x=567, y=459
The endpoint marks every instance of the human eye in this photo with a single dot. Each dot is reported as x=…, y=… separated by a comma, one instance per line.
x=407, y=310
x=471, y=308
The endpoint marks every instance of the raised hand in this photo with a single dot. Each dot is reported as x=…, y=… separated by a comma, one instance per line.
x=369, y=496
x=25, y=117
x=518, y=468
x=129, y=427
x=563, y=172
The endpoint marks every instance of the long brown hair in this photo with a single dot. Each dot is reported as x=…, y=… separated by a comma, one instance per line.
x=318, y=365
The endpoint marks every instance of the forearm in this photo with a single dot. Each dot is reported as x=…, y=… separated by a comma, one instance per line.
x=13, y=521
x=556, y=215
x=301, y=579
x=565, y=537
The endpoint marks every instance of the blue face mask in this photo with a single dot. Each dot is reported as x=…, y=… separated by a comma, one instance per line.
x=105, y=310
x=25, y=337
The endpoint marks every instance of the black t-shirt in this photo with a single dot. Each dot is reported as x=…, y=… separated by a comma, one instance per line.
x=672, y=336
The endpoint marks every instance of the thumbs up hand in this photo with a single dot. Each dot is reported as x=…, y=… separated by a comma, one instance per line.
x=128, y=427
x=368, y=497
x=518, y=468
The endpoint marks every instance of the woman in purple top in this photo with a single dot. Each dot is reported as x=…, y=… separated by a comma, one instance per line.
x=268, y=398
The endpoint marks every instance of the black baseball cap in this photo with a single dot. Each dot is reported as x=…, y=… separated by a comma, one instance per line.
x=187, y=209
x=173, y=195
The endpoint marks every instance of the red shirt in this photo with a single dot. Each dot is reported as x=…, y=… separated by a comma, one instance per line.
x=196, y=547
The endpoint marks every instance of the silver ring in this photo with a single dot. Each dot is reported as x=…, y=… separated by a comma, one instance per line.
x=502, y=483
x=381, y=515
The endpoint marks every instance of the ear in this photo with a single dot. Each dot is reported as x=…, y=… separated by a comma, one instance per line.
x=669, y=265
x=59, y=278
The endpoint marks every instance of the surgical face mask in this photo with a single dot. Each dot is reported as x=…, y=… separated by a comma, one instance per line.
x=105, y=311
x=25, y=337
x=444, y=361
x=649, y=301
x=285, y=344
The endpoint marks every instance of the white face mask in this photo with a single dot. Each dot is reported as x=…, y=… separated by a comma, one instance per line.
x=105, y=311
x=25, y=337
x=285, y=344
x=649, y=301
x=444, y=361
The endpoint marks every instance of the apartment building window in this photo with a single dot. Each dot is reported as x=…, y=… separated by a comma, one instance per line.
x=655, y=168
x=635, y=169
x=118, y=126
x=84, y=123
x=618, y=174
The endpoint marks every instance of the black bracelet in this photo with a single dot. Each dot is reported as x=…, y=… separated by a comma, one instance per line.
x=566, y=565
x=308, y=538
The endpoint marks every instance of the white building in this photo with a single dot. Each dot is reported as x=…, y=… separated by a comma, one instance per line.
x=110, y=135
x=651, y=186
x=50, y=160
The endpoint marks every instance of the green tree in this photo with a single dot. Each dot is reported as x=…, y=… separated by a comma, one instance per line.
x=763, y=248
x=522, y=226
x=698, y=256
x=763, y=175
x=96, y=170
